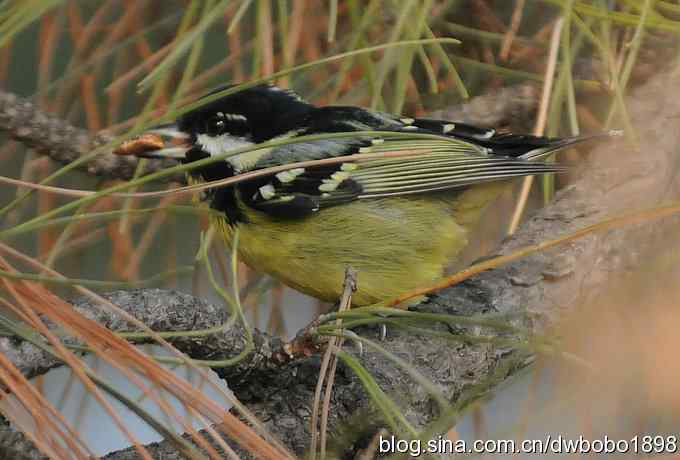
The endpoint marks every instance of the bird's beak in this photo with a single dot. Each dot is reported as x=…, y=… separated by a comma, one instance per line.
x=164, y=141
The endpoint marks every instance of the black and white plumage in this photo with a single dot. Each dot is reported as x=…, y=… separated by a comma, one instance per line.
x=399, y=220
x=462, y=155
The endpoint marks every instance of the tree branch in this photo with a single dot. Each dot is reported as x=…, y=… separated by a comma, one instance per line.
x=618, y=179
x=23, y=121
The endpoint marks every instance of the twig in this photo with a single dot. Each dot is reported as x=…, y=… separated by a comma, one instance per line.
x=617, y=222
x=330, y=358
x=512, y=30
x=540, y=122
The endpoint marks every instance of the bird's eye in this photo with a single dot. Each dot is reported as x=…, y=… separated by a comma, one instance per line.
x=216, y=126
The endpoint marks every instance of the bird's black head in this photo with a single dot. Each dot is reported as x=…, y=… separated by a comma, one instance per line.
x=235, y=121
x=257, y=114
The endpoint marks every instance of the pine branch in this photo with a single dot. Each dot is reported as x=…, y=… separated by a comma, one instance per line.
x=618, y=179
x=24, y=122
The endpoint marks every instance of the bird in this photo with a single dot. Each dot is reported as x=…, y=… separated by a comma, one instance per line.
x=399, y=218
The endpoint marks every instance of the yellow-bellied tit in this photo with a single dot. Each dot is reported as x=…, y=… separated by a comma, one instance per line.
x=397, y=220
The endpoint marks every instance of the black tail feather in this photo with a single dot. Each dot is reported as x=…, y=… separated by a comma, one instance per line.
x=524, y=146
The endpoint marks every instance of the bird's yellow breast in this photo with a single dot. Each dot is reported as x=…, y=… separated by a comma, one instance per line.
x=396, y=244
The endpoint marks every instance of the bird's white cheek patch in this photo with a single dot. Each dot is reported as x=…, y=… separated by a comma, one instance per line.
x=217, y=145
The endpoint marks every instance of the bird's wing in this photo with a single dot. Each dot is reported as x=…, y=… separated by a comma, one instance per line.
x=409, y=165
x=523, y=146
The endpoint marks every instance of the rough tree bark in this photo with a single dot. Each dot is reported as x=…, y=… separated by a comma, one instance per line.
x=62, y=142
x=618, y=179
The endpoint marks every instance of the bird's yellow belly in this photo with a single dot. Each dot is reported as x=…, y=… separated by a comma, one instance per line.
x=395, y=244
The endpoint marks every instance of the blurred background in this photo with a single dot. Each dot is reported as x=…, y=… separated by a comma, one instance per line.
x=111, y=64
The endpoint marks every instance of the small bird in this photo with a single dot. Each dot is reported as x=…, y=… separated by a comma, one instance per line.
x=399, y=221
